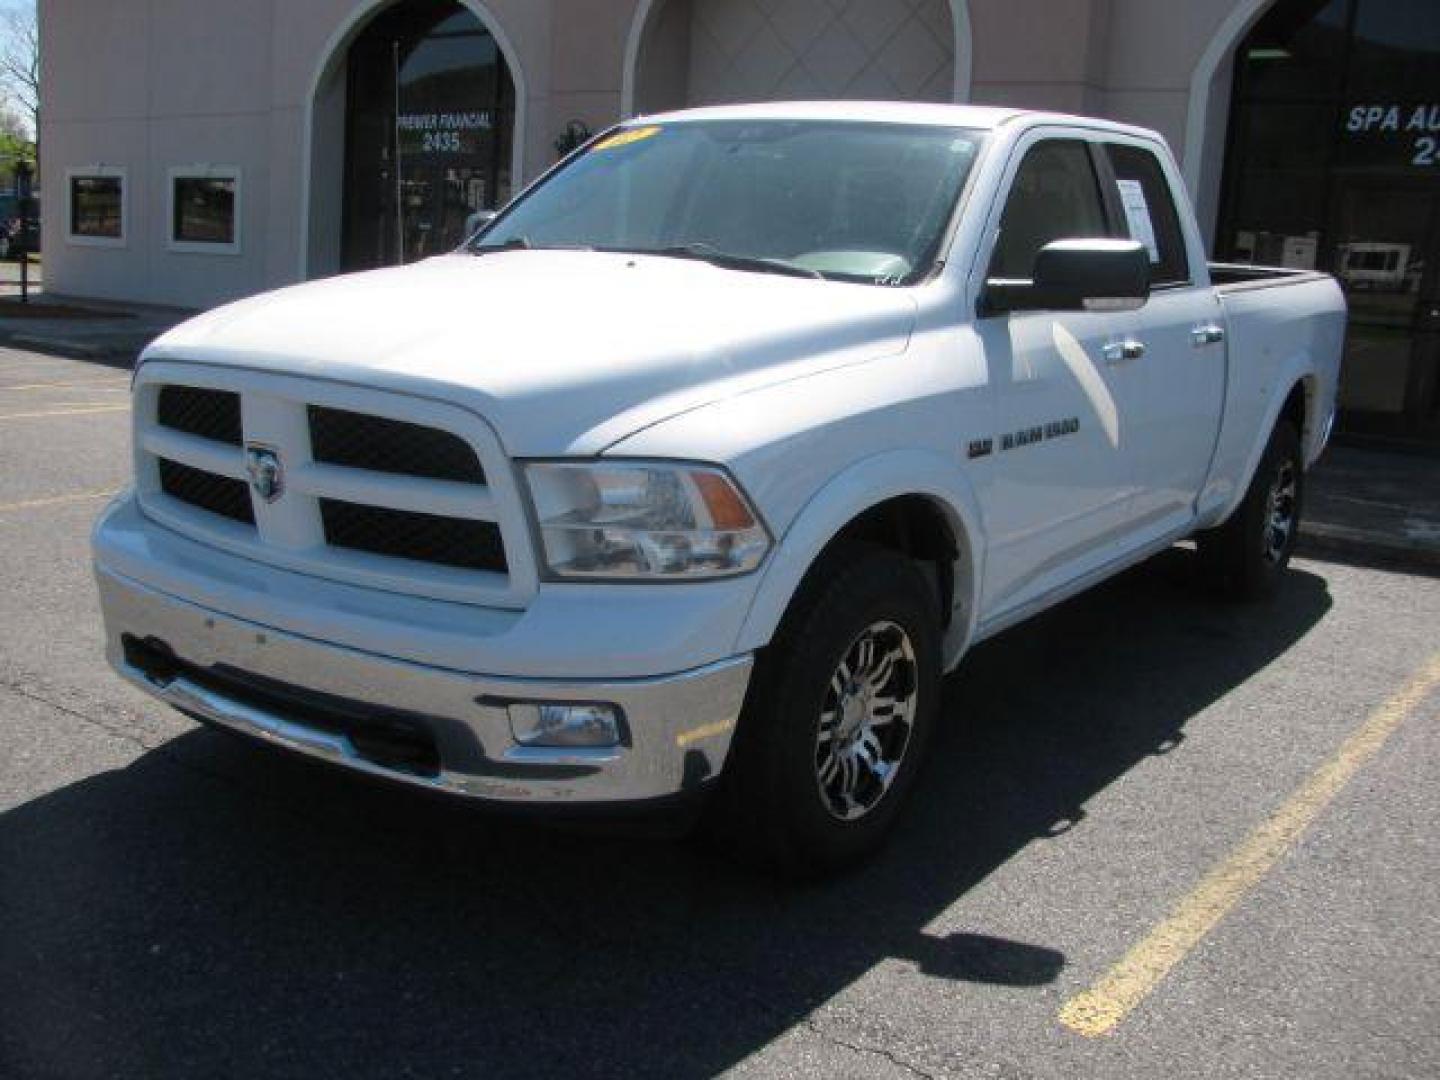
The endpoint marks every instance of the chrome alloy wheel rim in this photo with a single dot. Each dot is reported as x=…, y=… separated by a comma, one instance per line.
x=865, y=721
x=1280, y=513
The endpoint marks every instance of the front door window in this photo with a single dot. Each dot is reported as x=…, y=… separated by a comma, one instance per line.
x=428, y=139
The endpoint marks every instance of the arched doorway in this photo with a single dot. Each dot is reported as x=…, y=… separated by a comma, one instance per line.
x=457, y=39
x=429, y=128
x=684, y=53
x=1334, y=164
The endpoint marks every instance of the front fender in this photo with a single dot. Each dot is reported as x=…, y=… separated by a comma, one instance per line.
x=863, y=485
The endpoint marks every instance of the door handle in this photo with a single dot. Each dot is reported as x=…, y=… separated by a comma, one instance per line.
x=1211, y=334
x=1129, y=349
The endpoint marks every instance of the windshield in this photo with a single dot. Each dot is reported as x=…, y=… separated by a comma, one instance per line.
x=847, y=200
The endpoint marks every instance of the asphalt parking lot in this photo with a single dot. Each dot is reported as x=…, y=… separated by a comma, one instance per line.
x=1159, y=835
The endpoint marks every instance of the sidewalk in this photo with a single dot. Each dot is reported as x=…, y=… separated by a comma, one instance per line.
x=90, y=330
x=10, y=276
x=1374, y=506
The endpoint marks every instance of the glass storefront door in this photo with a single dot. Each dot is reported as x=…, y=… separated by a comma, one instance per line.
x=1334, y=163
x=1386, y=236
x=429, y=131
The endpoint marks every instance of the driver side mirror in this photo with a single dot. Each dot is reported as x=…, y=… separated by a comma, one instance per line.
x=1076, y=275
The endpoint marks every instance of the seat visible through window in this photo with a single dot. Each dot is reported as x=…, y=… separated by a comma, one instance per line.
x=1055, y=196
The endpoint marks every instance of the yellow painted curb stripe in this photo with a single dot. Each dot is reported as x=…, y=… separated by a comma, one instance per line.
x=64, y=412
x=1098, y=1009
x=57, y=500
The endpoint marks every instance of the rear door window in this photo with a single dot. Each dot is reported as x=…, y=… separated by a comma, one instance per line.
x=1149, y=212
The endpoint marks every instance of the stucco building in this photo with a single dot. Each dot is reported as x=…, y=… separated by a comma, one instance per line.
x=199, y=150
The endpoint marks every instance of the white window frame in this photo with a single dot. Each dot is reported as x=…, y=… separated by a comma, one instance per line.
x=203, y=172
x=97, y=172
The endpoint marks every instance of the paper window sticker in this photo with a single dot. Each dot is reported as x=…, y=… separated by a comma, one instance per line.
x=625, y=138
x=1137, y=216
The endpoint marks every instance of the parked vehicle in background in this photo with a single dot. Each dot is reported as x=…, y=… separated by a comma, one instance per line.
x=17, y=237
x=692, y=474
x=1367, y=265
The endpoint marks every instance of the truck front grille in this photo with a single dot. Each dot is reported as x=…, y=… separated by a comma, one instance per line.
x=384, y=490
x=211, y=493
x=210, y=414
x=341, y=437
x=403, y=534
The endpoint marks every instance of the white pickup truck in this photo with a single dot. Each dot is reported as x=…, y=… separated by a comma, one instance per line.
x=696, y=469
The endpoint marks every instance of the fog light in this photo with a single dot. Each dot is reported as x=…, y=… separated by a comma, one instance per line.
x=565, y=725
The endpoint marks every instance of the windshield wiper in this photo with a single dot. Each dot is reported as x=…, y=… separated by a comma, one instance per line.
x=522, y=243
x=716, y=257
x=515, y=243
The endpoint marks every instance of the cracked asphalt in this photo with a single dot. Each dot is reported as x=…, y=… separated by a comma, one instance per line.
x=178, y=903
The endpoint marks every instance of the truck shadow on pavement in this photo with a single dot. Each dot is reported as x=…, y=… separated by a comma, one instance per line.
x=216, y=909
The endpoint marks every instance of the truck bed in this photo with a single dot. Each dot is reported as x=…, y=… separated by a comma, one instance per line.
x=1231, y=277
x=1275, y=337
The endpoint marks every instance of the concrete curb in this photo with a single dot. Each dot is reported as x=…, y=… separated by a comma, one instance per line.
x=1323, y=538
x=79, y=350
x=117, y=336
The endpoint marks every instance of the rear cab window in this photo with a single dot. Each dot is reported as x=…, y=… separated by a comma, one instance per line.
x=1148, y=213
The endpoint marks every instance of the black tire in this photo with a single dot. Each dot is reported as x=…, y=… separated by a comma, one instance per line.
x=1246, y=557
x=772, y=807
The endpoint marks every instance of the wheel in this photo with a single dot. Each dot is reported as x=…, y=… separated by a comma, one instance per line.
x=838, y=716
x=1247, y=556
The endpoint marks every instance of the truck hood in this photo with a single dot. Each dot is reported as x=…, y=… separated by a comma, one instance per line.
x=563, y=352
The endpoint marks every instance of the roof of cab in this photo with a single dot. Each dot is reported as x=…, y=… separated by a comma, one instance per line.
x=899, y=112
x=981, y=117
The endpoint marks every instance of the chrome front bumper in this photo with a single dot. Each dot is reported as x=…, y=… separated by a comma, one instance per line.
x=679, y=726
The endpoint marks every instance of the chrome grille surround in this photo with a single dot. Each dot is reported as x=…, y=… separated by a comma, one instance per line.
x=290, y=531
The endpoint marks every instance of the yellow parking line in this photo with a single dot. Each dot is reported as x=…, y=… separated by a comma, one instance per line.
x=64, y=412
x=57, y=500
x=1098, y=1009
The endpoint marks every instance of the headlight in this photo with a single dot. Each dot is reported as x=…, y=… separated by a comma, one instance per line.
x=643, y=521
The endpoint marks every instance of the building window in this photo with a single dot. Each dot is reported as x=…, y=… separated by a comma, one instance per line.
x=205, y=209
x=96, y=206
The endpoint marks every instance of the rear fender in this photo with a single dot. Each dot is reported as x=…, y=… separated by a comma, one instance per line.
x=1298, y=368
